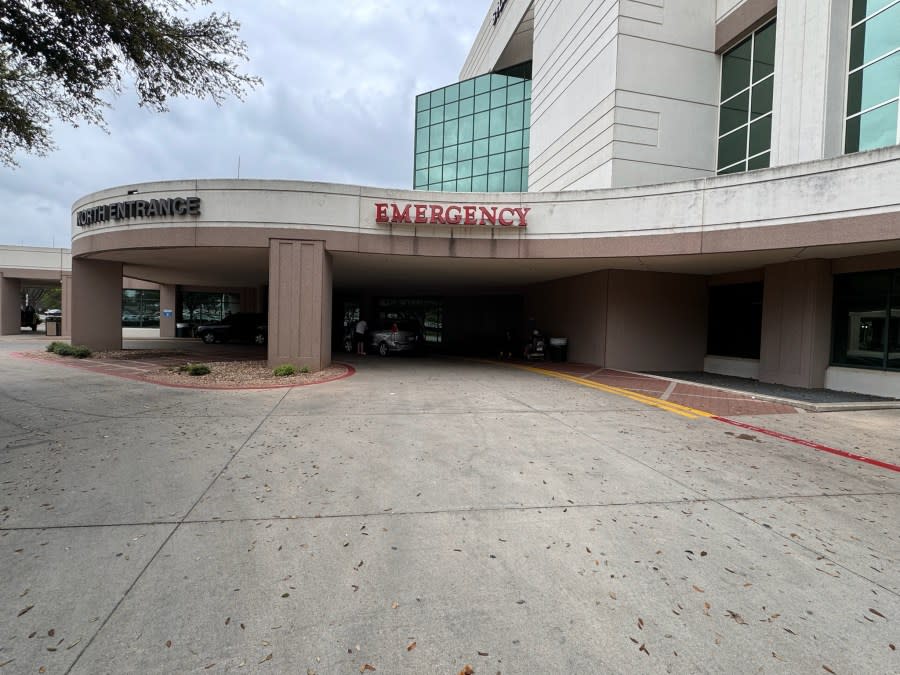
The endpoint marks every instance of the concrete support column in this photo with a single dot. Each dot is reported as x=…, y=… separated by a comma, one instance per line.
x=810, y=80
x=796, y=324
x=96, y=306
x=167, y=301
x=10, y=301
x=299, y=303
x=65, y=328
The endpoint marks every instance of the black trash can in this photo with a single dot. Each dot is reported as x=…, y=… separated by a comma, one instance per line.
x=182, y=330
x=559, y=349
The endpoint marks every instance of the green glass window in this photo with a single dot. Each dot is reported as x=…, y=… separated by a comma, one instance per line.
x=451, y=132
x=745, y=103
x=466, y=128
x=512, y=180
x=515, y=93
x=451, y=110
x=451, y=154
x=498, y=121
x=436, y=139
x=474, y=134
x=873, y=87
x=866, y=320
x=421, y=140
x=482, y=124
x=514, y=116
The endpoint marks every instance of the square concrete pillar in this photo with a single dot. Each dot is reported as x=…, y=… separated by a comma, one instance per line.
x=65, y=328
x=10, y=305
x=96, y=304
x=299, y=303
x=167, y=301
x=796, y=324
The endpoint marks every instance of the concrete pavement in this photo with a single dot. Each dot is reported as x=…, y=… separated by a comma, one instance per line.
x=486, y=515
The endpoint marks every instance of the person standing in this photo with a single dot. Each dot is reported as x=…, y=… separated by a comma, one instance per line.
x=359, y=336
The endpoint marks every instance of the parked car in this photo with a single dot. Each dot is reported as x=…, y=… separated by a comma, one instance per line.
x=402, y=335
x=240, y=327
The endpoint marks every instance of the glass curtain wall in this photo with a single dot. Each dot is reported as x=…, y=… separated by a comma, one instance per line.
x=745, y=108
x=867, y=320
x=873, y=88
x=140, y=308
x=473, y=135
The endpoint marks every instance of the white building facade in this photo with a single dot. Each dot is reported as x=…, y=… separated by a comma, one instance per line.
x=708, y=185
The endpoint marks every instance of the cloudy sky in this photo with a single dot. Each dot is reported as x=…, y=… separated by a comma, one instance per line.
x=340, y=79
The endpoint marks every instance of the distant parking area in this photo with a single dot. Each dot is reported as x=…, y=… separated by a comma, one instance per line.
x=428, y=514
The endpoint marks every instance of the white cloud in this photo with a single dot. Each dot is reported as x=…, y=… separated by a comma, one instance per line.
x=336, y=106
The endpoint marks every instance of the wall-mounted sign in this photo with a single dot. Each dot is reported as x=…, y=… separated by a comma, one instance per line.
x=139, y=208
x=497, y=12
x=453, y=214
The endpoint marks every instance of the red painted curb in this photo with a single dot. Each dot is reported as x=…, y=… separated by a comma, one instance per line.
x=811, y=444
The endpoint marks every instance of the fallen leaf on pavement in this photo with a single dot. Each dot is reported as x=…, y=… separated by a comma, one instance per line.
x=366, y=666
x=268, y=658
x=410, y=646
x=26, y=610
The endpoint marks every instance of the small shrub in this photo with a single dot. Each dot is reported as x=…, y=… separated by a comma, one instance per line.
x=64, y=349
x=285, y=370
x=194, y=369
x=304, y=370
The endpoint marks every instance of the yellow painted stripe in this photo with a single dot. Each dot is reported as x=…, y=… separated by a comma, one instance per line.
x=668, y=406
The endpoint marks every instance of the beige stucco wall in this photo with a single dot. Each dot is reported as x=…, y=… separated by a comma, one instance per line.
x=574, y=308
x=656, y=321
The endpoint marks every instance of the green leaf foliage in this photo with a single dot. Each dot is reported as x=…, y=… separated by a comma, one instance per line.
x=60, y=58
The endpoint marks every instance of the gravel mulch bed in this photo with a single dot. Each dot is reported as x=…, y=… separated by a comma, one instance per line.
x=162, y=367
x=245, y=374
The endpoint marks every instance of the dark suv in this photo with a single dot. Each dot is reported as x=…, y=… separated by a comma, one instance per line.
x=240, y=327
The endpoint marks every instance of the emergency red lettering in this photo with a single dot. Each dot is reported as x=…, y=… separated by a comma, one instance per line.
x=470, y=215
x=381, y=215
x=522, y=213
x=488, y=215
x=437, y=215
x=454, y=219
x=420, y=213
x=505, y=222
x=398, y=216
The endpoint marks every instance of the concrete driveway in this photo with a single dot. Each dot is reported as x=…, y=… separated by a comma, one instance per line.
x=424, y=515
